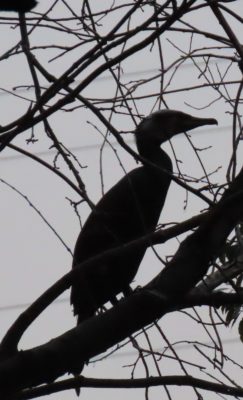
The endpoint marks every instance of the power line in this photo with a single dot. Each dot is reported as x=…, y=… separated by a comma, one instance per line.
x=65, y=300
x=110, y=77
x=94, y=146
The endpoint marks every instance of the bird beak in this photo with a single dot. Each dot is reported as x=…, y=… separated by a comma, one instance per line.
x=210, y=121
x=195, y=122
x=204, y=121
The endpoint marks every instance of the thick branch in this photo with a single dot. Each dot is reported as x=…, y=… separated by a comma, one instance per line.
x=175, y=380
x=11, y=339
x=70, y=350
x=216, y=299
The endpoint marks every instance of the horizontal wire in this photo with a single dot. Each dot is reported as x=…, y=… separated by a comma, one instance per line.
x=185, y=346
x=86, y=147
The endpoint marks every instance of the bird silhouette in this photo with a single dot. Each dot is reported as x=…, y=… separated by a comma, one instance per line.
x=17, y=5
x=129, y=210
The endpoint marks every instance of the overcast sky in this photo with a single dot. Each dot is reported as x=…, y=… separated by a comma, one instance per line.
x=34, y=257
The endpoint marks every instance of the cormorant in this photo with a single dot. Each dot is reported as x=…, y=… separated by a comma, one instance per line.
x=129, y=210
x=17, y=5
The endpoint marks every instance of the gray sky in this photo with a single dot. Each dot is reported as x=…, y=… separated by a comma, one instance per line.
x=33, y=257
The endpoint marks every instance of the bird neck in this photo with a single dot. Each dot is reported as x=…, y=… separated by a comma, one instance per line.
x=154, y=154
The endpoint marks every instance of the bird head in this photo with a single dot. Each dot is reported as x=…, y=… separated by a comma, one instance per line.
x=164, y=124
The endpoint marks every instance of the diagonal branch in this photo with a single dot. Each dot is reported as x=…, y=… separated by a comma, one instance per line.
x=69, y=351
x=12, y=337
x=229, y=31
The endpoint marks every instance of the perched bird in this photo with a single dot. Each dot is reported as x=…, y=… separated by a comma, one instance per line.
x=129, y=210
x=21, y=6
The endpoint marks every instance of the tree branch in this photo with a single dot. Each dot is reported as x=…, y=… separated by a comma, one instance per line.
x=69, y=351
x=175, y=380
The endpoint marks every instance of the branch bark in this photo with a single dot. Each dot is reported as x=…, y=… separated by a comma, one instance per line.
x=175, y=380
x=69, y=351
